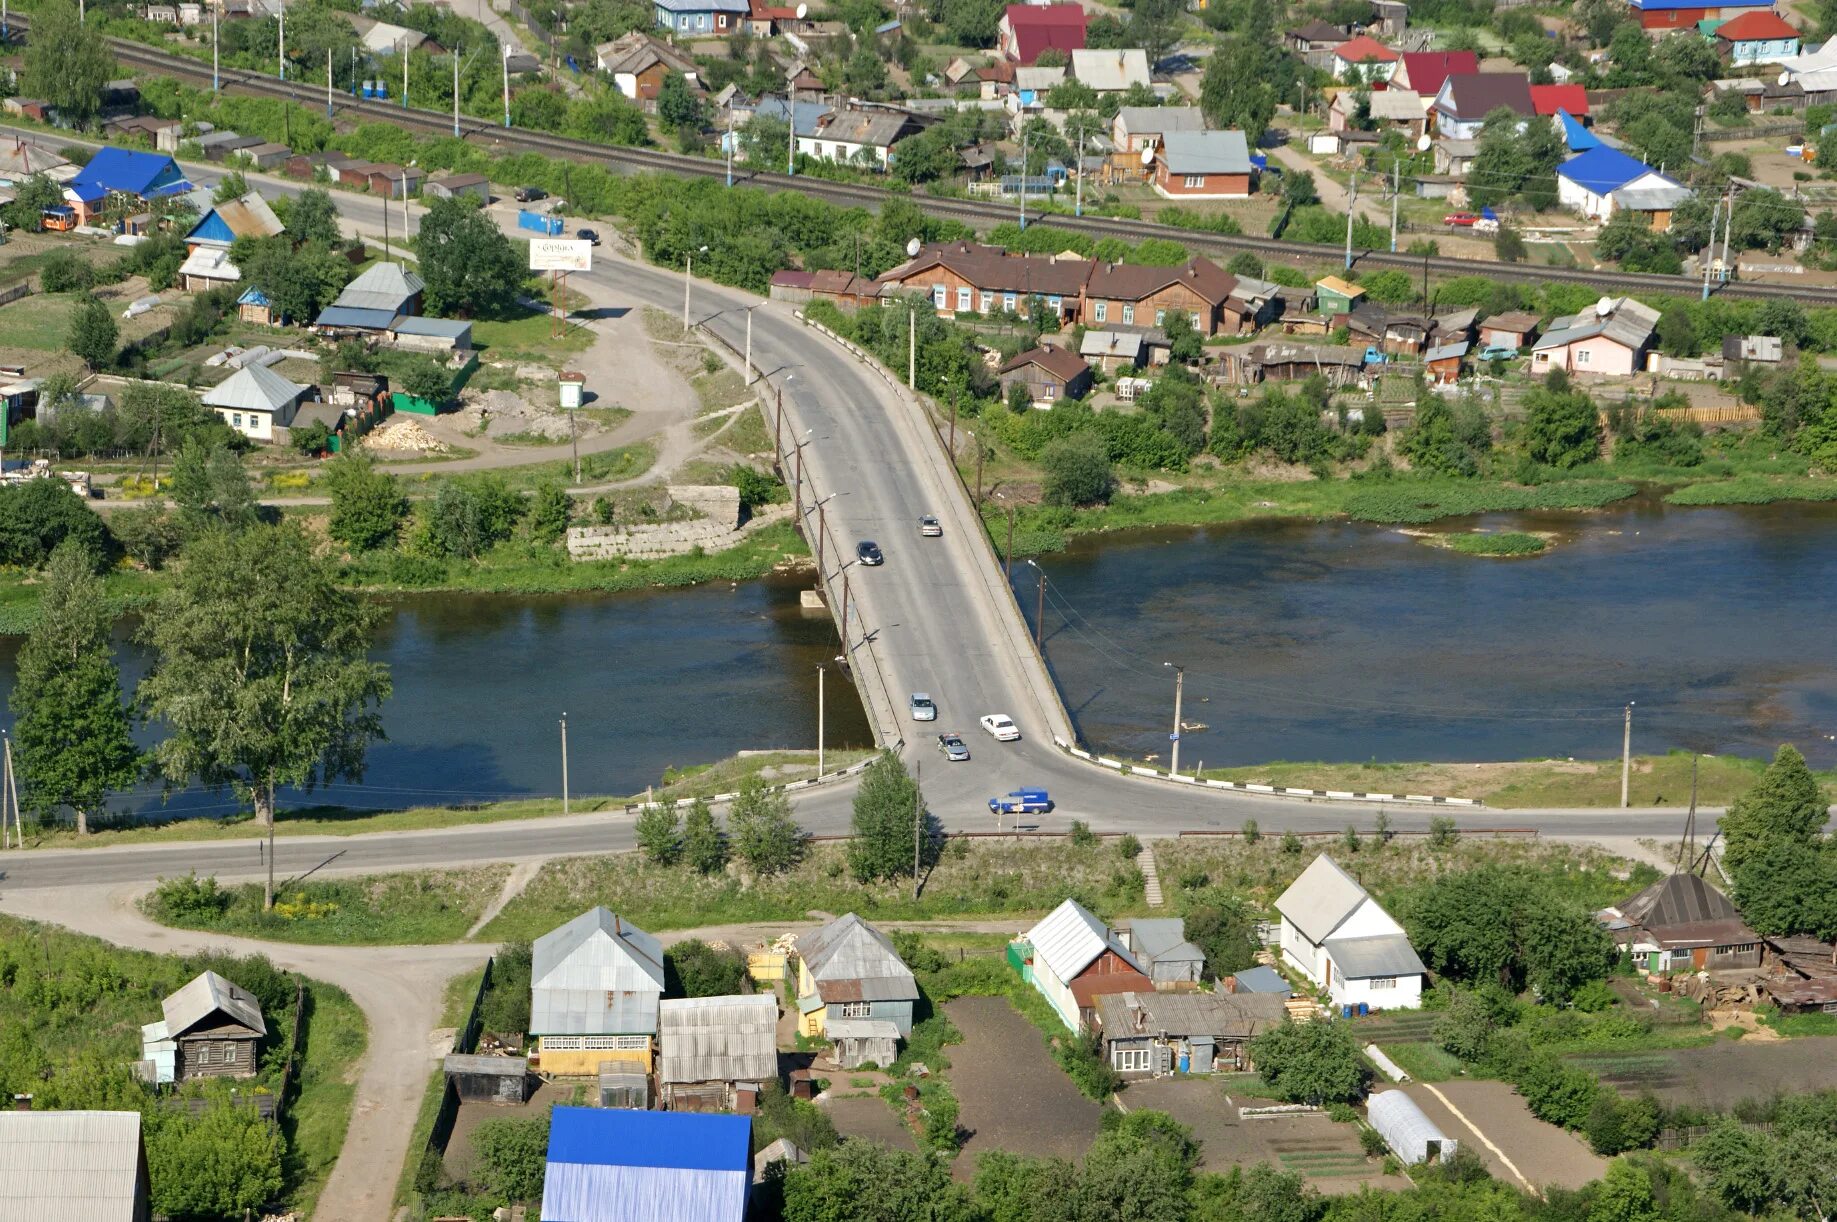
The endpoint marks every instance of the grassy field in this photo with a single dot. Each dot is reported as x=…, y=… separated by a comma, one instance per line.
x=1661, y=780
x=701, y=780
x=335, y=1038
x=527, y=337
x=420, y=908
x=974, y=878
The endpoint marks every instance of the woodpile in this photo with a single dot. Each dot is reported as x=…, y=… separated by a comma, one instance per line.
x=1717, y=996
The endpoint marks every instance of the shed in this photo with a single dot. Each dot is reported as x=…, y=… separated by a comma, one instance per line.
x=72, y=1167
x=714, y=1048
x=1410, y=1134
x=624, y=1088
x=1261, y=980
x=1682, y=923
x=849, y=970
x=208, y=1029
x=1048, y=373
x=1513, y=329
x=1161, y=947
x=445, y=336
x=613, y=1165
x=782, y=1150
x=594, y=988
x=489, y=1079
x=863, y=1041
x=455, y=186
x=1444, y=361
x=1336, y=296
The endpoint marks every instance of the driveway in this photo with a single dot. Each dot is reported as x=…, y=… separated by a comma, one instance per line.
x=1012, y=1095
x=1494, y=1123
x=1332, y=195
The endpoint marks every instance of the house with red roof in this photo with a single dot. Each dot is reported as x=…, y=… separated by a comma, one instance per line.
x=1682, y=14
x=1759, y=37
x=1424, y=71
x=1374, y=61
x=1028, y=29
x=1546, y=100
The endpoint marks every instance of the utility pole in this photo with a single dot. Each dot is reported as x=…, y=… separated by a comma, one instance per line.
x=385, y=231
x=749, y=349
x=688, y=270
x=1626, y=756
x=798, y=491
x=819, y=722
x=778, y=431
x=911, y=348
x=791, y=132
x=1351, y=199
x=1728, y=227
x=1023, y=183
x=822, y=535
x=564, y=763
x=1039, y=613
x=281, y=57
x=1395, y=182
x=215, y=81
x=6, y=779
x=1708, y=253
x=455, y=93
x=1078, y=206
x=328, y=72
x=402, y=50
x=1179, y=686
x=918, y=825
x=507, y=85
x=268, y=895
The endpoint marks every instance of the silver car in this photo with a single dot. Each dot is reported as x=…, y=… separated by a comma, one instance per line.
x=953, y=747
x=922, y=707
x=929, y=526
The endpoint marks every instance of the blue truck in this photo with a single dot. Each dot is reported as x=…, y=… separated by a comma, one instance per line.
x=1023, y=801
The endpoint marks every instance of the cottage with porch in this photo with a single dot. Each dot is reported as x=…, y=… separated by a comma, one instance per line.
x=595, y=984
x=211, y=1028
x=849, y=970
x=1149, y=1035
x=257, y=402
x=1049, y=374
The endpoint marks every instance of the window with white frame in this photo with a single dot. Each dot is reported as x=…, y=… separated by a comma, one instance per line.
x=1197, y=325
x=1128, y=314
x=940, y=296
x=236, y=419
x=1127, y=1060
x=596, y=1043
x=988, y=301
x=1581, y=356
x=1007, y=302
x=1102, y=311
x=1383, y=982
x=1056, y=302
x=1194, y=182
x=854, y=1009
x=963, y=300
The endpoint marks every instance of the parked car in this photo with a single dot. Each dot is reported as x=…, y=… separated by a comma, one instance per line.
x=952, y=747
x=922, y=707
x=868, y=552
x=529, y=195
x=1464, y=220
x=928, y=526
x=1498, y=352
x=1023, y=801
x=589, y=236
x=1001, y=726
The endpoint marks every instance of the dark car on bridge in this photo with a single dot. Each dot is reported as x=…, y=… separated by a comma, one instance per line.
x=868, y=552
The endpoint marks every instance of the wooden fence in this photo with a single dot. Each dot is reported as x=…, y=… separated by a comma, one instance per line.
x=1740, y=413
x=465, y=1040
x=22, y=289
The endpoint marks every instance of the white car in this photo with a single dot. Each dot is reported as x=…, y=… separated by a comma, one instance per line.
x=1002, y=727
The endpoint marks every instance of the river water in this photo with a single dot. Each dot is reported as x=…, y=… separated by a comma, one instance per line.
x=1348, y=642
x=1329, y=641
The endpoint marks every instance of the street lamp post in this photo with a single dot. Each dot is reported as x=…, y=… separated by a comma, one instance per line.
x=822, y=533
x=1179, y=686
x=819, y=722
x=688, y=278
x=1039, y=613
x=564, y=763
x=797, y=489
x=749, y=346
x=1626, y=755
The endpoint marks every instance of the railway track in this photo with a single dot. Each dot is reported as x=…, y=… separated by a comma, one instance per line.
x=499, y=139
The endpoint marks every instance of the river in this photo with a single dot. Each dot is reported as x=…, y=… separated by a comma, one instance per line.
x=1350, y=642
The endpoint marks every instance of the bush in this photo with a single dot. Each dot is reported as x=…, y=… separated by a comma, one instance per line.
x=512, y=1155
x=1371, y=1142
x=697, y=969
x=1082, y=835
x=506, y=1005
x=1128, y=848
x=190, y=899
x=64, y=271
x=1076, y=471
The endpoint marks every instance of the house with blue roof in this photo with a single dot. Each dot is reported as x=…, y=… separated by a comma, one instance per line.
x=616, y=1165
x=710, y=17
x=1591, y=182
x=123, y=172
x=1576, y=137
x=1657, y=15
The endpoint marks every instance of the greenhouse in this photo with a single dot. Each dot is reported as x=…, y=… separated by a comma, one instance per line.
x=1412, y=1136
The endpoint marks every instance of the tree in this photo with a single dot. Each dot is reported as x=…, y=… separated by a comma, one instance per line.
x=703, y=971
x=67, y=63
x=93, y=333
x=864, y=1181
x=1506, y=925
x=512, y=1155
x=659, y=832
x=1219, y=925
x=703, y=845
x=222, y=1162
x=1465, y=1027
x=72, y=729
x=1787, y=888
x=1316, y=1062
x=1184, y=343
x=231, y=186
x=1739, y=1164
x=261, y=673
x=1508, y=245
x=467, y=263
x=39, y=515
x=972, y=22
x=1076, y=470
x=211, y=489
x=423, y=377
x=368, y=505
x=1786, y=806
x=298, y=281
x=888, y=808
x=677, y=105
x=762, y=830
x=313, y=218
x=1154, y=26
x=27, y=210
x=1298, y=189
x=469, y=517
x=1234, y=92
x=548, y=521
x=1561, y=428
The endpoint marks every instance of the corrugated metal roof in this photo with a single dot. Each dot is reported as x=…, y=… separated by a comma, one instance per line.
x=719, y=1039
x=70, y=1166
x=617, y=1164
x=383, y=286
x=1683, y=909
x=1235, y=1016
x=1385, y=954
x=1069, y=939
x=860, y=1029
x=351, y=316
x=1322, y=898
x=848, y=949
x=1163, y=939
x=1111, y=71
x=442, y=328
x=1262, y=980
x=595, y=975
x=1205, y=152
x=253, y=388
x=209, y=993
x=1151, y=120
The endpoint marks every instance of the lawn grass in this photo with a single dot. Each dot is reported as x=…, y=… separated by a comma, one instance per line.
x=1755, y=490
x=1423, y=1061
x=1493, y=543
x=421, y=908
x=40, y=321
x=747, y=434
x=979, y=878
x=335, y=1038
x=526, y=336
x=1798, y=1024
x=126, y=589
x=603, y=467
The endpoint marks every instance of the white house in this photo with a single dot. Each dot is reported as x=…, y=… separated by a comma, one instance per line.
x=1591, y=182
x=255, y=401
x=1336, y=935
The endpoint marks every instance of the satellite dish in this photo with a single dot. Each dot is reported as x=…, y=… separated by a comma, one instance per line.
x=1148, y=155
x=1785, y=78
x=1604, y=307
x=912, y=248
x=1423, y=142
x=803, y=11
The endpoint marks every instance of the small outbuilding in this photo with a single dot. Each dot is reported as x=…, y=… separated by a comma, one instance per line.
x=1161, y=948
x=1410, y=1134
x=489, y=1079
x=80, y=1166
x=1259, y=980
x=456, y=186
x=211, y=1028
x=614, y=1165
x=863, y=1041
x=717, y=1052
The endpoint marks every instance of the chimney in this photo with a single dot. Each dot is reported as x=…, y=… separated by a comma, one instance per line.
x=22, y=1103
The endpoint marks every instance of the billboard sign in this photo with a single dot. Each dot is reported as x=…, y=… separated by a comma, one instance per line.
x=560, y=255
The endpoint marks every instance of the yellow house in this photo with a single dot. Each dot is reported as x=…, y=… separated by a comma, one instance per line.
x=594, y=987
x=848, y=970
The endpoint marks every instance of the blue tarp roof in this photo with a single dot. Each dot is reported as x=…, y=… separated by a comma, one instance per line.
x=1578, y=138
x=1603, y=170
x=348, y=316
x=146, y=174
x=684, y=1141
x=253, y=296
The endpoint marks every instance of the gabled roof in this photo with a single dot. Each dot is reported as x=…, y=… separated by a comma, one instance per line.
x=1058, y=362
x=1547, y=100
x=1578, y=138
x=1134, y=282
x=994, y=269
x=22, y=160
x=1319, y=31
x=807, y=117
x=852, y=960
x=1126, y=344
x=1155, y=120
x=1518, y=321
x=1428, y=69
x=1318, y=902
x=872, y=128
x=1602, y=170
x=595, y=975
x=208, y=993
x=1069, y=939
x=703, y=6
x=1227, y=1016
x=253, y=388
x=383, y=286
x=1761, y=25
x=113, y=169
x=1396, y=105
x=247, y=216
x=1684, y=910
x=1111, y=71
x=1222, y=152
x=1473, y=97
x=617, y=1164
x=1039, y=26
x=638, y=50
x=1651, y=199
x=1386, y=954
x=71, y=1166
x=719, y=1039
x=1624, y=320
x=1262, y=980
x=1364, y=50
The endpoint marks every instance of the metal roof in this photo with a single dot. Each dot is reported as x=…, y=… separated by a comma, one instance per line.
x=1111, y=343
x=1447, y=352
x=1069, y=939
x=253, y=388
x=1385, y=954
x=719, y=1039
x=442, y=328
x=1683, y=909
x=1603, y=170
x=207, y=994
x=1398, y=105
x=350, y=316
x=861, y=1029
x=245, y=216
x=1624, y=321
x=1156, y=119
x=848, y=949
x=1319, y=901
x=1205, y=152
x=383, y=286
x=620, y=1164
x=1163, y=939
x=1652, y=199
x=71, y=1167
x=595, y=975
x=1110, y=71
x=1262, y=980
x=505, y=1067
x=1234, y=1016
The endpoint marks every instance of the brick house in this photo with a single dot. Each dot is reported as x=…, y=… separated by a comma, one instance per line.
x=1203, y=165
x=1132, y=296
x=965, y=277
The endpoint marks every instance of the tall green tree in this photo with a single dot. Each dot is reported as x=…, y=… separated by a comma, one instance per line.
x=368, y=505
x=220, y=1163
x=703, y=845
x=1561, y=427
x=66, y=63
x=30, y=199
x=261, y=673
x=39, y=515
x=1234, y=91
x=864, y=1181
x=888, y=810
x=69, y=719
x=1786, y=806
x=313, y=218
x=469, y=266
x=1509, y=926
x=211, y=488
x=93, y=333
x=761, y=829
x=1315, y=1062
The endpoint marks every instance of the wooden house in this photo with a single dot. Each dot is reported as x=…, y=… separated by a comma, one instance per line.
x=1160, y=946
x=1073, y=958
x=595, y=983
x=1049, y=374
x=718, y=1052
x=1146, y=1035
x=849, y=970
x=1443, y=362
x=1681, y=923
x=211, y=1028
x=1512, y=329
